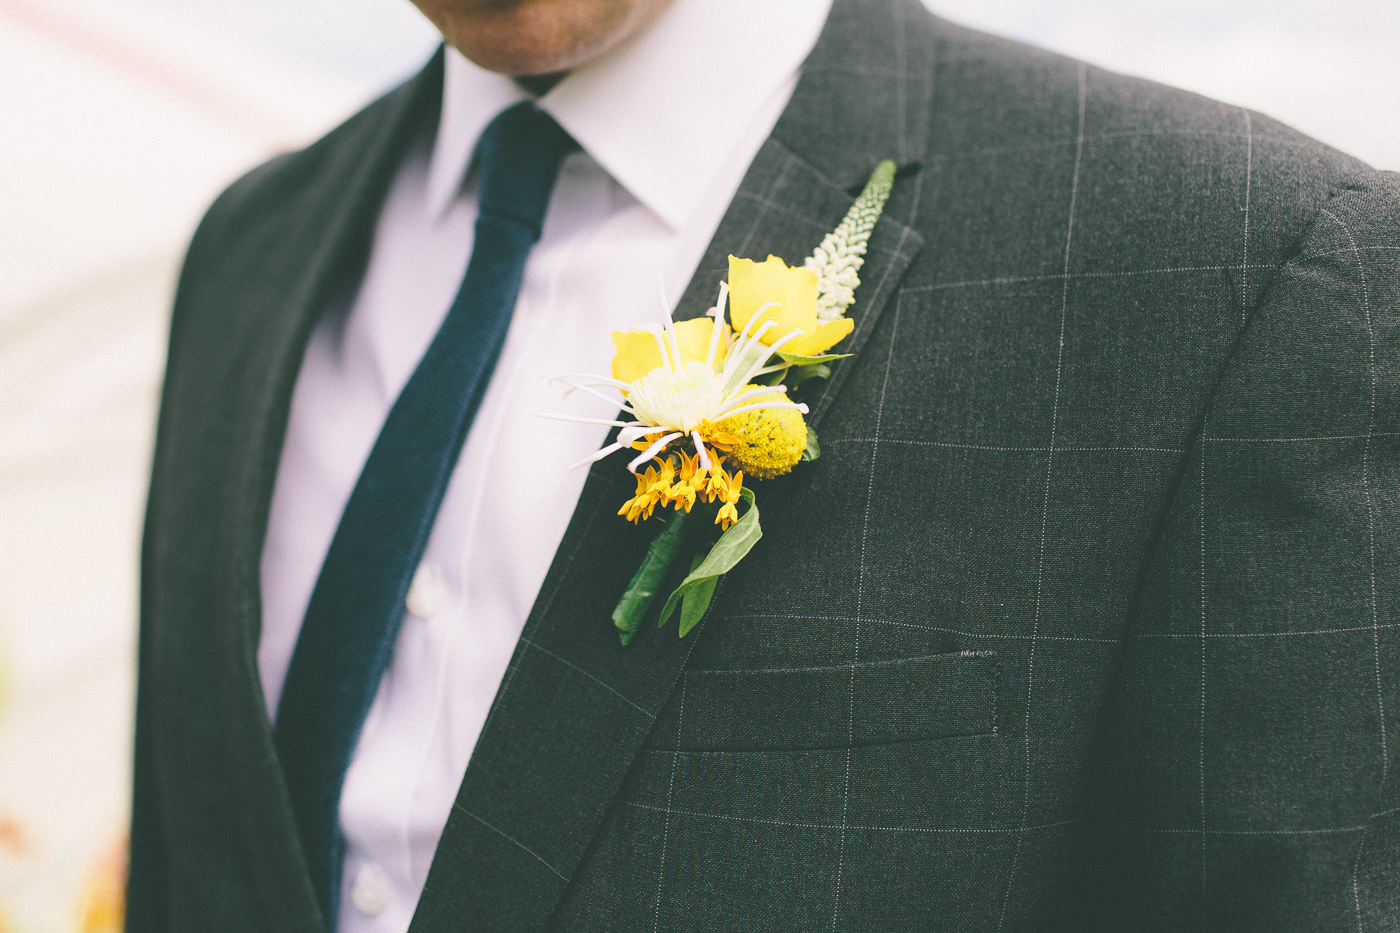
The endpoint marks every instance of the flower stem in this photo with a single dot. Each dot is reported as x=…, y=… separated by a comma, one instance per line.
x=645, y=583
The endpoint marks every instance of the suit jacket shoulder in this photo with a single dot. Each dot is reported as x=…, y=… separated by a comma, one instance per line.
x=293, y=196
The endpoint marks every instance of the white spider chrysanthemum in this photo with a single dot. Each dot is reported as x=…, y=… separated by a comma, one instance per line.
x=686, y=397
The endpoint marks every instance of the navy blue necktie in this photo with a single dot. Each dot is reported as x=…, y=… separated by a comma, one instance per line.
x=353, y=618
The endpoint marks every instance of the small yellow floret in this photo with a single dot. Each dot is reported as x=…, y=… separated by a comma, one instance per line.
x=683, y=490
x=729, y=497
x=681, y=487
x=770, y=441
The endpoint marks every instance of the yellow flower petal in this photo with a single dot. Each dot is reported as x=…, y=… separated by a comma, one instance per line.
x=827, y=336
x=755, y=284
x=694, y=338
x=637, y=352
x=637, y=355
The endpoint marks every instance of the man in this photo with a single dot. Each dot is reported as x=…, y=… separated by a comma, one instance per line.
x=1082, y=621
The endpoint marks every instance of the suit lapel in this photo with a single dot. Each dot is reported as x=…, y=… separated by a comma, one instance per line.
x=575, y=708
x=314, y=251
x=784, y=207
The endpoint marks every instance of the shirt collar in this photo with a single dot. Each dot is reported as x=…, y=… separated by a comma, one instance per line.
x=661, y=114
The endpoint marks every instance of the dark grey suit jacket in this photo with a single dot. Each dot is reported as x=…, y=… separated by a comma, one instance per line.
x=1086, y=619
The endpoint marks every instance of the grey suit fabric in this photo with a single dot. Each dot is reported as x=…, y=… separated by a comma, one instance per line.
x=1084, y=621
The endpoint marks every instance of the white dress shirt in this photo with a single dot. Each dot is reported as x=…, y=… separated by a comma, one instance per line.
x=668, y=124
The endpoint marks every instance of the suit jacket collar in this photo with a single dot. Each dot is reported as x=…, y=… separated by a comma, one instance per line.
x=574, y=708
x=664, y=141
x=865, y=95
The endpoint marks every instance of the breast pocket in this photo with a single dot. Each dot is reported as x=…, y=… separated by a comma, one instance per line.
x=905, y=700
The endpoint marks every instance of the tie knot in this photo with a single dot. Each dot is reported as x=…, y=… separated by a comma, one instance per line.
x=520, y=152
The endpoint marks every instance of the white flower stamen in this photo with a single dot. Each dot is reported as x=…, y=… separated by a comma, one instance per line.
x=717, y=330
x=585, y=387
x=652, y=451
x=700, y=451
x=765, y=406
x=625, y=438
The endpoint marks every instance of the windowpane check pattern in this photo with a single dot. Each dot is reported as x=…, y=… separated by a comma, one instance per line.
x=1084, y=621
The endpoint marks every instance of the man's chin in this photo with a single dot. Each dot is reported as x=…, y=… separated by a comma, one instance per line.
x=518, y=55
x=538, y=37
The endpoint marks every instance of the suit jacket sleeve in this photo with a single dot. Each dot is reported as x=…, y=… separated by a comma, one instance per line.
x=1251, y=780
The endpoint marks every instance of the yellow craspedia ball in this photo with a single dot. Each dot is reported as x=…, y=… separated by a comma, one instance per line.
x=770, y=442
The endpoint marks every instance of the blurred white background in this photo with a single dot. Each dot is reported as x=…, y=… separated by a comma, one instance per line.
x=123, y=118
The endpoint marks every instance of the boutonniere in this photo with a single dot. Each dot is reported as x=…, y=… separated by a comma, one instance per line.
x=714, y=406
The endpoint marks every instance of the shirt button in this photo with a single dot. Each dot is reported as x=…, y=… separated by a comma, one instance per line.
x=427, y=593
x=371, y=892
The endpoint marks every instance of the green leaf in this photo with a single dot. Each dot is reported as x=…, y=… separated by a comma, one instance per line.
x=814, y=450
x=797, y=360
x=695, y=602
x=797, y=375
x=640, y=592
x=727, y=552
